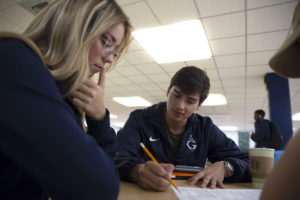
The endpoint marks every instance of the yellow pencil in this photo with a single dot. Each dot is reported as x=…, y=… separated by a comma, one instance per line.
x=154, y=160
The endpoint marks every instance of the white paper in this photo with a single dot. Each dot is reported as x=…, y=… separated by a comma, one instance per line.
x=216, y=194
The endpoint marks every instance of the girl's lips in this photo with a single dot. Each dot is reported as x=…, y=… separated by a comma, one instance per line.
x=98, y=68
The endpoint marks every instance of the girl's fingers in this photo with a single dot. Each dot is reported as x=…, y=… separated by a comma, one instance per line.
x=79, y=104
x=101, y=79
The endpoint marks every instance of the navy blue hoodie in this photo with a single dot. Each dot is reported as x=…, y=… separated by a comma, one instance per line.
x=202, y=140
x=43, y=149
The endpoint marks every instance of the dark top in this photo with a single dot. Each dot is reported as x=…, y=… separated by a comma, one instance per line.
x=43, y=149
x=262, y=133
x=201, y=140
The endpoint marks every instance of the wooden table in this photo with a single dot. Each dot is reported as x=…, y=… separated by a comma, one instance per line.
x=131, y=191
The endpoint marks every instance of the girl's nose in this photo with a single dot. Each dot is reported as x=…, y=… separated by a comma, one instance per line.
x=108, y=58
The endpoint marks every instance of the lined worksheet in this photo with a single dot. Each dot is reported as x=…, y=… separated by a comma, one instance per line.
x=188, y=193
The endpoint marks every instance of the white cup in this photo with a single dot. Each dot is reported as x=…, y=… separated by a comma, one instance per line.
x=261, y=162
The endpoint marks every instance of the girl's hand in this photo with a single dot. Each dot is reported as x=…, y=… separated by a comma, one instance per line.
x=89, y=97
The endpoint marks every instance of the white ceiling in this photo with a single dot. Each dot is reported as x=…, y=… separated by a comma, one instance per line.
x=243, y=35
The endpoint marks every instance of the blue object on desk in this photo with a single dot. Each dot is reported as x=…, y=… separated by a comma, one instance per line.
x=277, y=155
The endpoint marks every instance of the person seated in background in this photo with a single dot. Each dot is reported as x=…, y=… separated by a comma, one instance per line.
x=176, y=135
x=284, y=180
x=46, y=91
x=262, y=136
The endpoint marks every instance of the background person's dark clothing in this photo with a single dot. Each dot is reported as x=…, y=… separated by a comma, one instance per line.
x=262, y=133
x=43, y=149
x=201, y=140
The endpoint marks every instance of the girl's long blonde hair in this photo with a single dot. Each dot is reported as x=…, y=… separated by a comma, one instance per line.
x=65, y=31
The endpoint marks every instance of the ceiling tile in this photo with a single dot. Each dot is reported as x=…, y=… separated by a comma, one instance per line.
x=113, y=73
x=261, y=3
x=214, y=90
x=17, y=15
x=152, y=99
x=161, y=98
x=150, y=87
x=139, y=79
x=20, y=29
x=294, y=81
x=116, y=91
x=135, y=45
x=172, y=11
x=139, y=57
x=258, y=90
x=140, y=15
x=161, y=94
x=271, y=18
x=133, y=88
x=266, y=41
x=212, y=73
x=254, y=101
x=6, y=3
x=202, y=64
x=144, y=94
x=215, y=84
x=240, y=105
x=18, y=1
x=225, y=25
x=222, y=109
x=121, y=81
x=216, y=7
x=171, y=74
x=125, y=2
x=159, y=77
x=235, y=97
x=234, y=82
x=108, y=82
x=152, y=68
x=172, y=67
x=257, y=70
x=128, y=71
x=235, y=90
x=259, y=58
x=206, y=110
x=228, y=46
x=230, y=60
x=7, y=26
x=254, y=82
x=163, y=85
x=122, y=62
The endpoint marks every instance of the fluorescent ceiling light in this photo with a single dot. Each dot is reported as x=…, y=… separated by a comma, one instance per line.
x=111, y=116
x=176, y=42
x=215, y=100
x=228, y=128
x=296, y=117
x=134, y=101
x=119, y=124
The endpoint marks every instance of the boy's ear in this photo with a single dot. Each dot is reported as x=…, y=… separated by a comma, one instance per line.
x=199, y=106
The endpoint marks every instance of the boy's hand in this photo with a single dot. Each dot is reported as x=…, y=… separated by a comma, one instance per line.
x=152, y=176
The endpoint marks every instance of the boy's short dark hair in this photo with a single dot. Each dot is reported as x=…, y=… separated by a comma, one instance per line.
x=260, y=112
x=192, y=79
